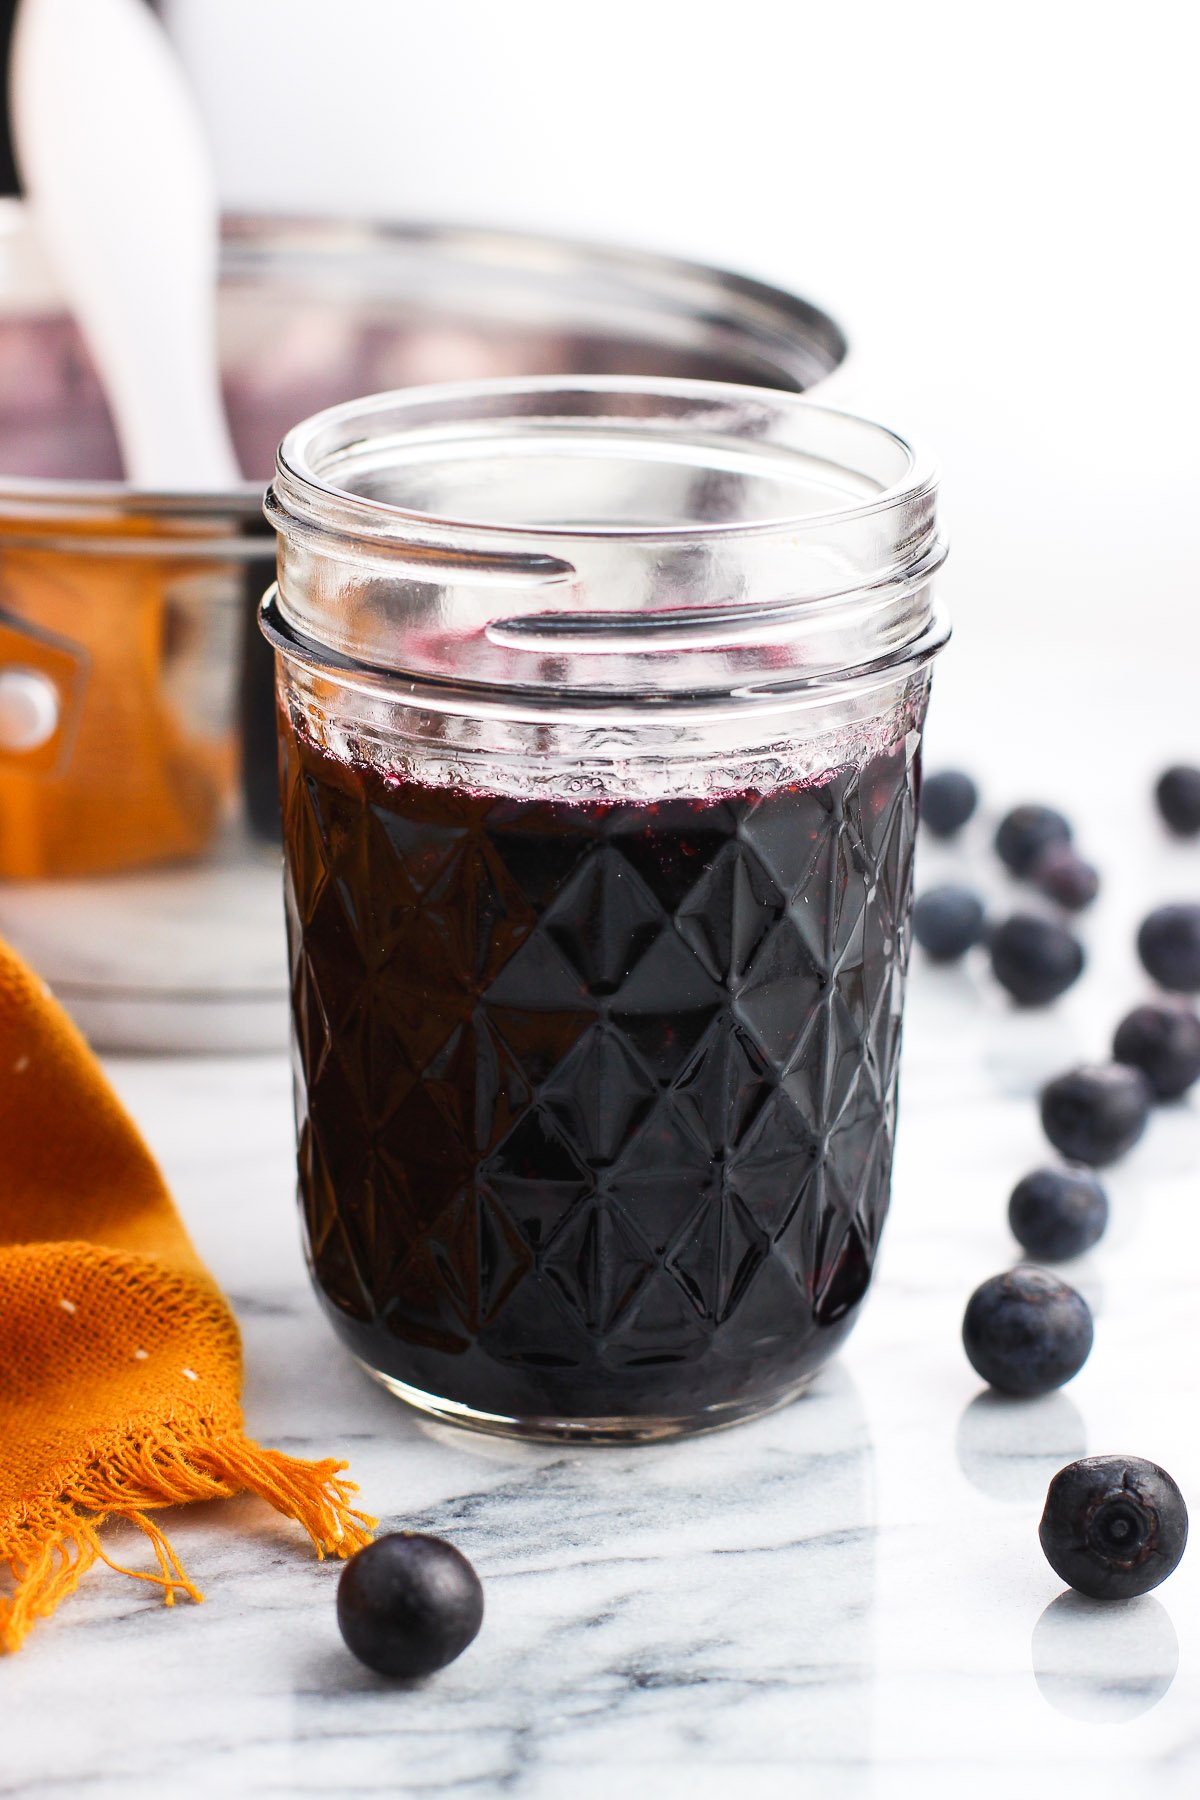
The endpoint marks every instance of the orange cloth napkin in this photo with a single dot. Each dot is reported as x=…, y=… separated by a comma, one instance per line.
x=120, y=1363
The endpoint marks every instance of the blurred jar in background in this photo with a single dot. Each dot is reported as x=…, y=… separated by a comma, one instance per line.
x=138, y=790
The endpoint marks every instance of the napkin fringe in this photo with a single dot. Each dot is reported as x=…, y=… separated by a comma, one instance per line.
x=49, y=1543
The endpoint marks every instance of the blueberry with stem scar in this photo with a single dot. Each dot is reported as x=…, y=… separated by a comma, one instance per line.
x=1114, y=1526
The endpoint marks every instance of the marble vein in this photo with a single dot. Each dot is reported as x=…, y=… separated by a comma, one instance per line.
x=845, y=1599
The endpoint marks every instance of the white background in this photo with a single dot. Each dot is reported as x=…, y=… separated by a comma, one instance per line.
x=999, y=201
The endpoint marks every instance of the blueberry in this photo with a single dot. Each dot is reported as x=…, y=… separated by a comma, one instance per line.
x=1035, y=959
x=408, y=1604
x=947, y=801
x=1169, y=946
x=1058, y=1213
x=1162, y=1039
x=1026, y=1331
x=1095, y=1114
x=1063, y=876
x=1026, y=833
x=947, y=921
x=1178, y=796
x=1114, y=1526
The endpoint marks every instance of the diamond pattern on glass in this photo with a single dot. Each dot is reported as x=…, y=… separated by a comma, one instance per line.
x=595, y=1090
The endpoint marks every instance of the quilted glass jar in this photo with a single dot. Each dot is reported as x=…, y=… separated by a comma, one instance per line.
x=600, y=706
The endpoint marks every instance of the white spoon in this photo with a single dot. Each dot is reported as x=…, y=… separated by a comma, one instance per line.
x=117, y=172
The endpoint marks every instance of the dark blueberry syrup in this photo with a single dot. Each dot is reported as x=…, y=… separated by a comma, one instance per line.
x=596, y=1100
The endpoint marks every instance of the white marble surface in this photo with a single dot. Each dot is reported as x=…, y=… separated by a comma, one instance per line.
x=847, y=1598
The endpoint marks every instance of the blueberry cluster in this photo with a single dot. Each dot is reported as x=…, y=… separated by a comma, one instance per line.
x=1113, y=1527
x=1035, y=958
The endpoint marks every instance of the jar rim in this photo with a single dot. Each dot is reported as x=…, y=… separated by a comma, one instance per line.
x=649, y=550
x=304, y=491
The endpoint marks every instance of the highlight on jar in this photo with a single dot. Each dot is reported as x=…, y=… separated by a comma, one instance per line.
x=600, y=716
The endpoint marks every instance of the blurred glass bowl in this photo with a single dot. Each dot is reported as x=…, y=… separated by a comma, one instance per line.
x=139, y=864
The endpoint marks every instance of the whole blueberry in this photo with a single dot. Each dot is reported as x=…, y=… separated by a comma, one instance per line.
x=1026, y=833
x=1026, y=1331
x=1162, y=1039
x=1114, y=1526
x=1096, y=1113
x=1178, y=796
x=1035, y=959
x=1169, y=946
x=947, y=921
x=1057, y=1213
x=947, y=801
x=1064, y=877
x=408, y=1604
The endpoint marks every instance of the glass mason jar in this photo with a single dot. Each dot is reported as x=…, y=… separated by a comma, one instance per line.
x=600, y=706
